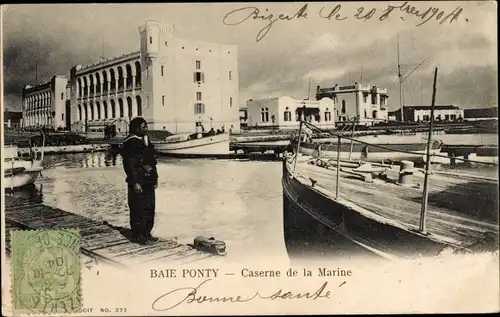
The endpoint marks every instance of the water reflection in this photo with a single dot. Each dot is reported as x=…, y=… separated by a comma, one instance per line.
x=33, y=193
x=237, y=202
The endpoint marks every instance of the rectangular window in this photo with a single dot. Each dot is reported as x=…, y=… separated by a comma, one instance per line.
x=230, y=75
x=264, y=114
x=199, y=77
x=230, y=101
x=163, y=100
x=328, y=116
x=288, y=116
x=62, y=96
x=62, y=117
x=365, y=98
x=162, y=70
x=198, y=64
x=198, y=96
x=150, y=40
x=166, y=43
x=199, y=108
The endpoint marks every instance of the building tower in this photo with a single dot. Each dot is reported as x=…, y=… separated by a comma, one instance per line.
x=156, y=48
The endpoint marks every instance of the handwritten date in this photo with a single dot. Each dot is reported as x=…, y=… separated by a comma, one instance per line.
x=190, y=295
x=338, y=13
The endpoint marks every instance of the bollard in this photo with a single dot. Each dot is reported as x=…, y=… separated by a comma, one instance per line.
x=406, y=173
x=452, y=158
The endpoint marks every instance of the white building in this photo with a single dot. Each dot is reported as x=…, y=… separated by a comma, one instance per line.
x=171, y=82
x=423, y=113
x=44, y=105
x=286, y=112
x=359, y=102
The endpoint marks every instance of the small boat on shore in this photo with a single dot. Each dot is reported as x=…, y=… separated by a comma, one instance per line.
x=195, y=145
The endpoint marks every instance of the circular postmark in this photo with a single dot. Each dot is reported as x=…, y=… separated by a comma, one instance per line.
x=50, y=274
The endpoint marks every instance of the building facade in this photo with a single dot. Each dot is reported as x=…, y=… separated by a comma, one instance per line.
x=442, y=113
x=361, y=103
x=286, y=112
x=44, y=105
x=481, y=114
x=172, y=82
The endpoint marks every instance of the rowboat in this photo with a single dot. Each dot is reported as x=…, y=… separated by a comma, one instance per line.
x=195, y=145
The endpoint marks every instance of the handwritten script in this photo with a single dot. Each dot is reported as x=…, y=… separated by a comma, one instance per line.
x=337, y=13
x=190, y=295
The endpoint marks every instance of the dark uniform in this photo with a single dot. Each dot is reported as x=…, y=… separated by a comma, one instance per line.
x=139, y=163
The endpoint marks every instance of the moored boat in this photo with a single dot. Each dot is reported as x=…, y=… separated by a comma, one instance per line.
x=196, y=145
x=382, y=152
x=19, y=172
x=379, y=216
x=345, y=209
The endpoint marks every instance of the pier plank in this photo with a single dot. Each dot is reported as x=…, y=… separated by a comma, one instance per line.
x=98, y=238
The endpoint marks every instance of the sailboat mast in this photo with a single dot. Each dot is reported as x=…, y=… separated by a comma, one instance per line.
x=309, y=90
x=423, y=211
x=400, y=86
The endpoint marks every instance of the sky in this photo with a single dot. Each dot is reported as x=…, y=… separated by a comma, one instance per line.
x=320, y=44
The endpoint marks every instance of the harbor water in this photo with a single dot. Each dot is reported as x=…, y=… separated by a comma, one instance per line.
x=237, y=202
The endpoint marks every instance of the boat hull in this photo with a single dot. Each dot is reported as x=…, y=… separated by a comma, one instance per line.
x=372, y=153
x=209, y=146
x=21, y=179
x=317, y=226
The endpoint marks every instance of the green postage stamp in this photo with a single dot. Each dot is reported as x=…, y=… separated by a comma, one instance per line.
x=46, y=271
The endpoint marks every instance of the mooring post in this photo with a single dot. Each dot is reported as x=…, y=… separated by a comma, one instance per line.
x=298, y=146
x=338, y=167
x=423, y=211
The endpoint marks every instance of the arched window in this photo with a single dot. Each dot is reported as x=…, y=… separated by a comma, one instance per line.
x=105, y=107
x=129, y=107
x=139, y=105
x=113, y=109
x=120, y=107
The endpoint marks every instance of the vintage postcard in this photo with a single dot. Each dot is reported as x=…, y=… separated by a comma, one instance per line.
x=249, y=158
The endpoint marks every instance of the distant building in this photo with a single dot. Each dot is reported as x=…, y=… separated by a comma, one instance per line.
x=481, y=114
x=444, y=113
x=286, y=112
x=361, y=103
x=12, y=119
x=44, y=105
x=171, y=82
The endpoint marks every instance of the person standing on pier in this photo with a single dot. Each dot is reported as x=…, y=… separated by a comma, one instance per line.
x=139, y=163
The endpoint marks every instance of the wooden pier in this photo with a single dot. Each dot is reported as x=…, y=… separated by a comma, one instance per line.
x=100, y=240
